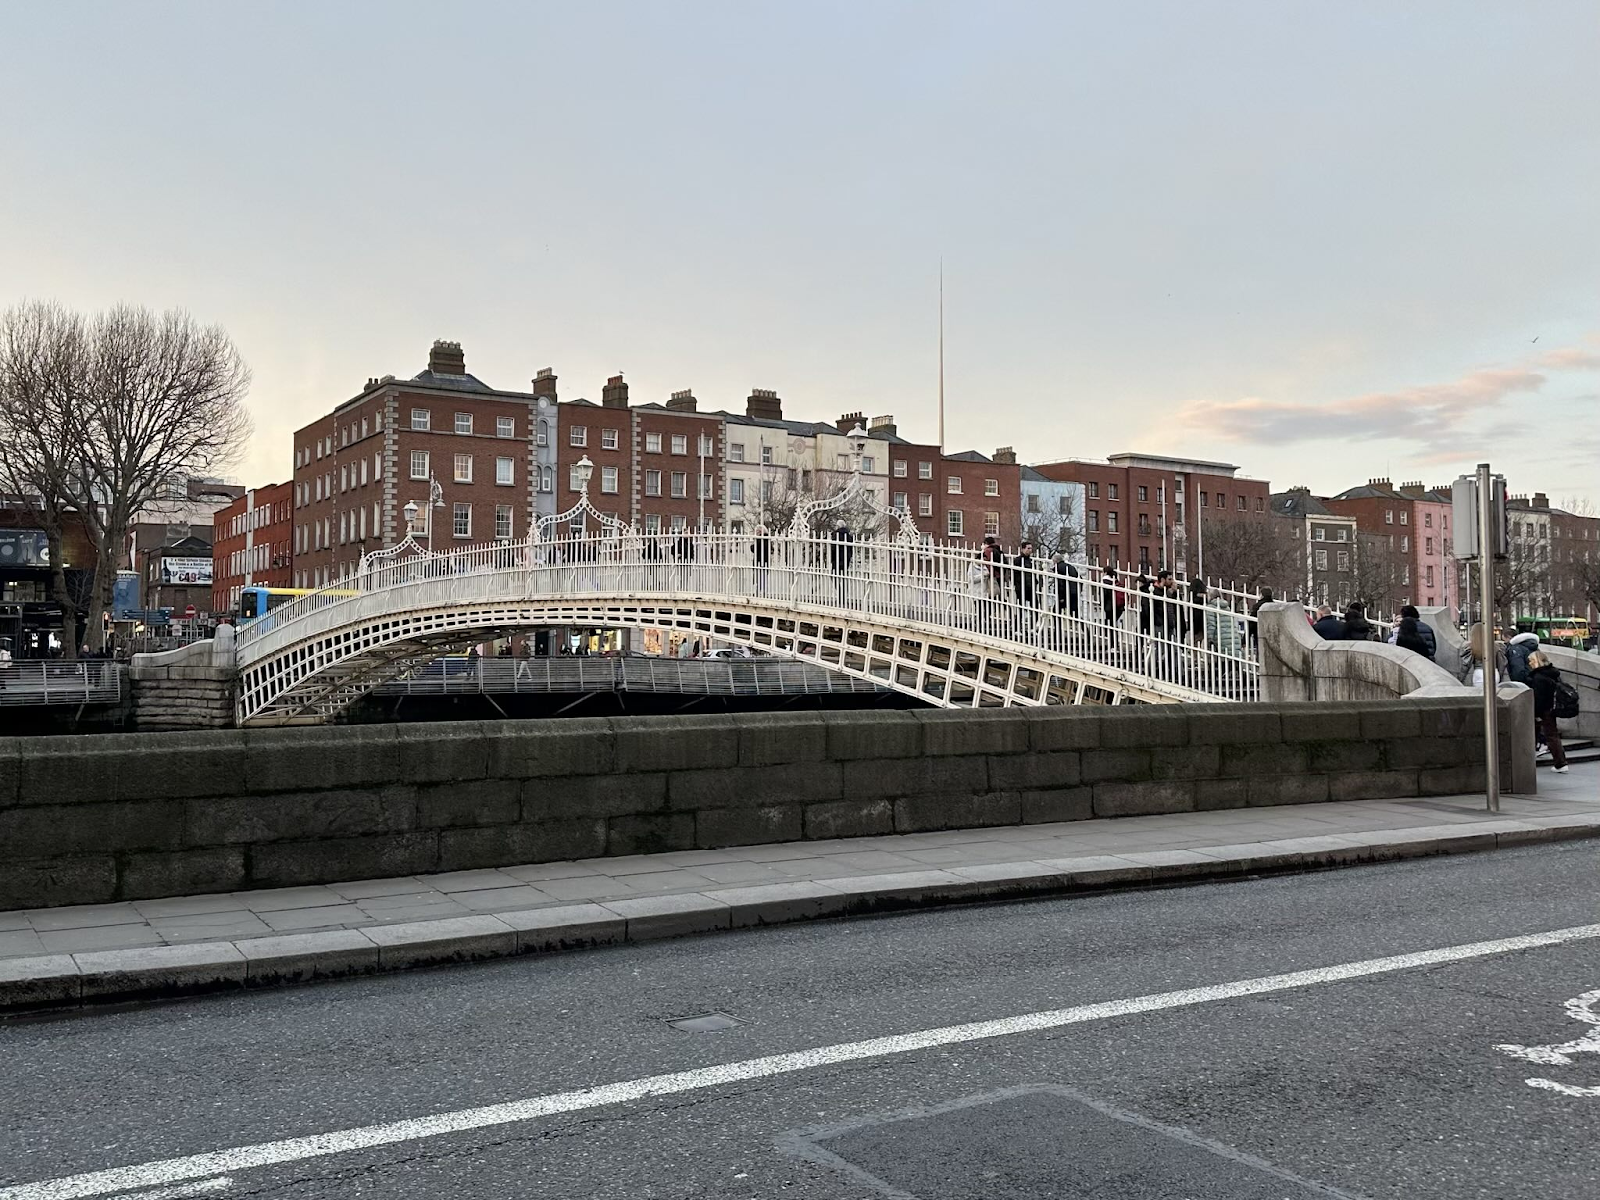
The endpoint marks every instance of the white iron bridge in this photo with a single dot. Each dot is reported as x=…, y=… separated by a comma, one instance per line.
x=885, y=605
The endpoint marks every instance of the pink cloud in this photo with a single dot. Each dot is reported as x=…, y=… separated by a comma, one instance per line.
x=1570, y=358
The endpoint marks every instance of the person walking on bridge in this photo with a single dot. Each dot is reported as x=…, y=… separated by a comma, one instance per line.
x=1025, y=586
x=1545, y=681
x=840, y=553
x=1111, y=604
x=761, y=555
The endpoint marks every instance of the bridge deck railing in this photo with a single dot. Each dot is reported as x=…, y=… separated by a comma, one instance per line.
x=56, y=681
x=690, y=677
x=1197, y=647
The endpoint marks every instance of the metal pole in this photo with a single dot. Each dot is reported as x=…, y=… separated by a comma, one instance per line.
x=1486, y=544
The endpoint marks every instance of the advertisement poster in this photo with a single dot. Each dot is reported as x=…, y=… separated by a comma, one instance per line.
x=195, y=571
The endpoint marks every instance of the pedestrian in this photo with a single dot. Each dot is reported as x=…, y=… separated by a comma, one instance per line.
x=1221, y=626
x=1408, y=636
x=1198, y=596
x=761, y=554
x=1408, y=612
x=1264, y=596
x=1024, y=583
x=1518, y=650
x=1546, y=684
x=1145, y=588
x=1356, y=626
x=840, y=553
x=1111, y=603
x=1066, y=586
x=1329, y=625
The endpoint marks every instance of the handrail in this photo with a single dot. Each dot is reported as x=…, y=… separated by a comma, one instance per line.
x=58, y=681
x=456, y=675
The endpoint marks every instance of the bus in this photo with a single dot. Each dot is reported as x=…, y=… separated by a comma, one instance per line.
x=1557, y=631
x=259, y=601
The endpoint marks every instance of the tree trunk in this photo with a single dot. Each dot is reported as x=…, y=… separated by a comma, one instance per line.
x=60, y=593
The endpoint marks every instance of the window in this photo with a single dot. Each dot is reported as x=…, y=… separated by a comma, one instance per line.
x=901, y=502
x=1244, y=502
x=608, y=480
x=505, y=471
x=572, y=479
x=463, y=422
x=1222, y=499
x=543, y=436
x=1094, y=491
x=419, y=464
x=841, y=462
x=708, y=445
x=991, y=524
x=547, y=480
x=1260, y=504
x=954, y=523
x=1111, y=521
x=680, y=484
x=1064, y=505
x=608, y=439
x=1033, y=502
x=1404, y=515
x=735, y=451
x=652, y=483
x=1322, y=560
x=363, y=426
x=363, y=528
x=680, y=443
x=505, y=427
x=343, y=529
x=363, y=472
x=679, y=524
x=463, y=471
x=899, y=468
x=952, y=484
x=1429, y=549
x=1429, y=579
x=735, y=491
x=991, y=487
x=1144, y=494
x=578, y=435
x=869, y=464
x=1322, y=534
x=1344, y=534
x=502, y=522
x=706, y=492
x=461, y=525
x=1204, y=501
x=344, y=479
x=1405, y=545
x=652, y=443
x=1388, y=516
x=1094, y=520
x=1344, y=560
x=766, y=491
x=1111, y=491
x=924, y=470
x=766, y=456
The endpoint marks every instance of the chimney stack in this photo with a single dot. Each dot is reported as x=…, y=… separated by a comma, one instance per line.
x=544, y=383
x=1412, y=491
x=683, y=401
x=1006, y=454
x=614, y=394
x=848, y=421
x=883, y=427
x=1541, y=500
x=763, y=405
x=446, y=358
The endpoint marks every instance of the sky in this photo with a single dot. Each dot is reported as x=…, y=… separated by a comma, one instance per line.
x=1326, y=242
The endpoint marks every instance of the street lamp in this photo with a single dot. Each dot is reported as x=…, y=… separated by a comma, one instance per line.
x=858, y=445
x=435, y=500
x=582, y=470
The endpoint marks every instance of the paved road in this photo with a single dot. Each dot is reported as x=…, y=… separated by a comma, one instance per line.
x=1387, y=1084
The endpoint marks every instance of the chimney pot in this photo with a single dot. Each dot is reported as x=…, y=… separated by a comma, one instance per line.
x=614, y=394
x=848, y=421
x=683, y=401
x=1006, y=454
x=446, y=358
x=763, y=405
x=544, y=383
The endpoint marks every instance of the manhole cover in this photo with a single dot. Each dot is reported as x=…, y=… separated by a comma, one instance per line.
x=716, y=1022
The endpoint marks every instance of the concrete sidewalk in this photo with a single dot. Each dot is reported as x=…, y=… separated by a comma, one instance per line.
x=68, y=956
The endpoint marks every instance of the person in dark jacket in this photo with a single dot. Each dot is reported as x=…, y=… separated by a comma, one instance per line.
x=1424, y=631
x=761, y=552
x=1024, y=583
x=1265, y=596
x=1544, y=677
x=1199, y=593
x=1111, y=603
x=1329, y=625
x=1408, y=636
x=1066, y=586
x=840, y=552
x=1356, y=626
x=1518, y=651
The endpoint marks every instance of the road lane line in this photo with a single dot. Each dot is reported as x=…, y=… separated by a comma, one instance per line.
x=181, y=1191
x=367, y=1137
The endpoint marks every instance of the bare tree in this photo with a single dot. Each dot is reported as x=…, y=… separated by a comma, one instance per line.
x=41, y=356
x=126, y=404
x=1249, y=551
x=793, y=490
x=1055, y=532
x=1380, y=577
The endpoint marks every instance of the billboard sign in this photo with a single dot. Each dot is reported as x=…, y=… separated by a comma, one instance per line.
x=190, y=571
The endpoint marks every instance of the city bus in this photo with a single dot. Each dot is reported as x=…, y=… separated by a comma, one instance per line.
x=259, y=601
x=1557, y=631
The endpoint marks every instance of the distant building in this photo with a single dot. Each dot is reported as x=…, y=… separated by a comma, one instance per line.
x=1053, y=511
x=1146, y=510
x=31, y=621
x=357, y=468
x=253, y=544
x=1413, y=522
x=1328, y=544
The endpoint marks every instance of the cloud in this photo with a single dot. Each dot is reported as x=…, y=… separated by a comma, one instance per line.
x=1571, y=358
x=1430, y=416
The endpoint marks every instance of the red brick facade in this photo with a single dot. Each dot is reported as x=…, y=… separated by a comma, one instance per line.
x=957, y=498
x=253, y=544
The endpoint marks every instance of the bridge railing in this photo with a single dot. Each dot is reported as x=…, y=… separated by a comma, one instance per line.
x=1163, y=635
x=57, y=681
x=693, y=677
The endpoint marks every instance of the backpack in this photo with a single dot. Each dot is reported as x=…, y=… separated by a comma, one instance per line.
x=1566, y=701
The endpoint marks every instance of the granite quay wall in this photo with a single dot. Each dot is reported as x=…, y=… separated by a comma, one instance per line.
x=1296, y=664
x=192, y=687
x=129, y=816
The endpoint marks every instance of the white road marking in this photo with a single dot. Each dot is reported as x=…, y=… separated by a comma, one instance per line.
x=367, y=1137
x=1579, y=1008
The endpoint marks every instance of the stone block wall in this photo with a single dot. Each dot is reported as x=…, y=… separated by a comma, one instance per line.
x=126, y=816
x=192, y=687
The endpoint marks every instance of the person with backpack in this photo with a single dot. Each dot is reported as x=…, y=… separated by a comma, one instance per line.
x=1423, y=631
x=1518, y=651
x=1356, y=626
x=1553, y=699
x=1408, y=636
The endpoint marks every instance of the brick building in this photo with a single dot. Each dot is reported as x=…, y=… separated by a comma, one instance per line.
x=1326, y=547
x=1556, y=556
x=253, y=544
x=1139, y=507
x=356, y=468
x=1412, y=522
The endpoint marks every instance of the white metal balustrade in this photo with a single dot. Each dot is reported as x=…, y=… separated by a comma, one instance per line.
x=689, y=677
x=37, y=682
